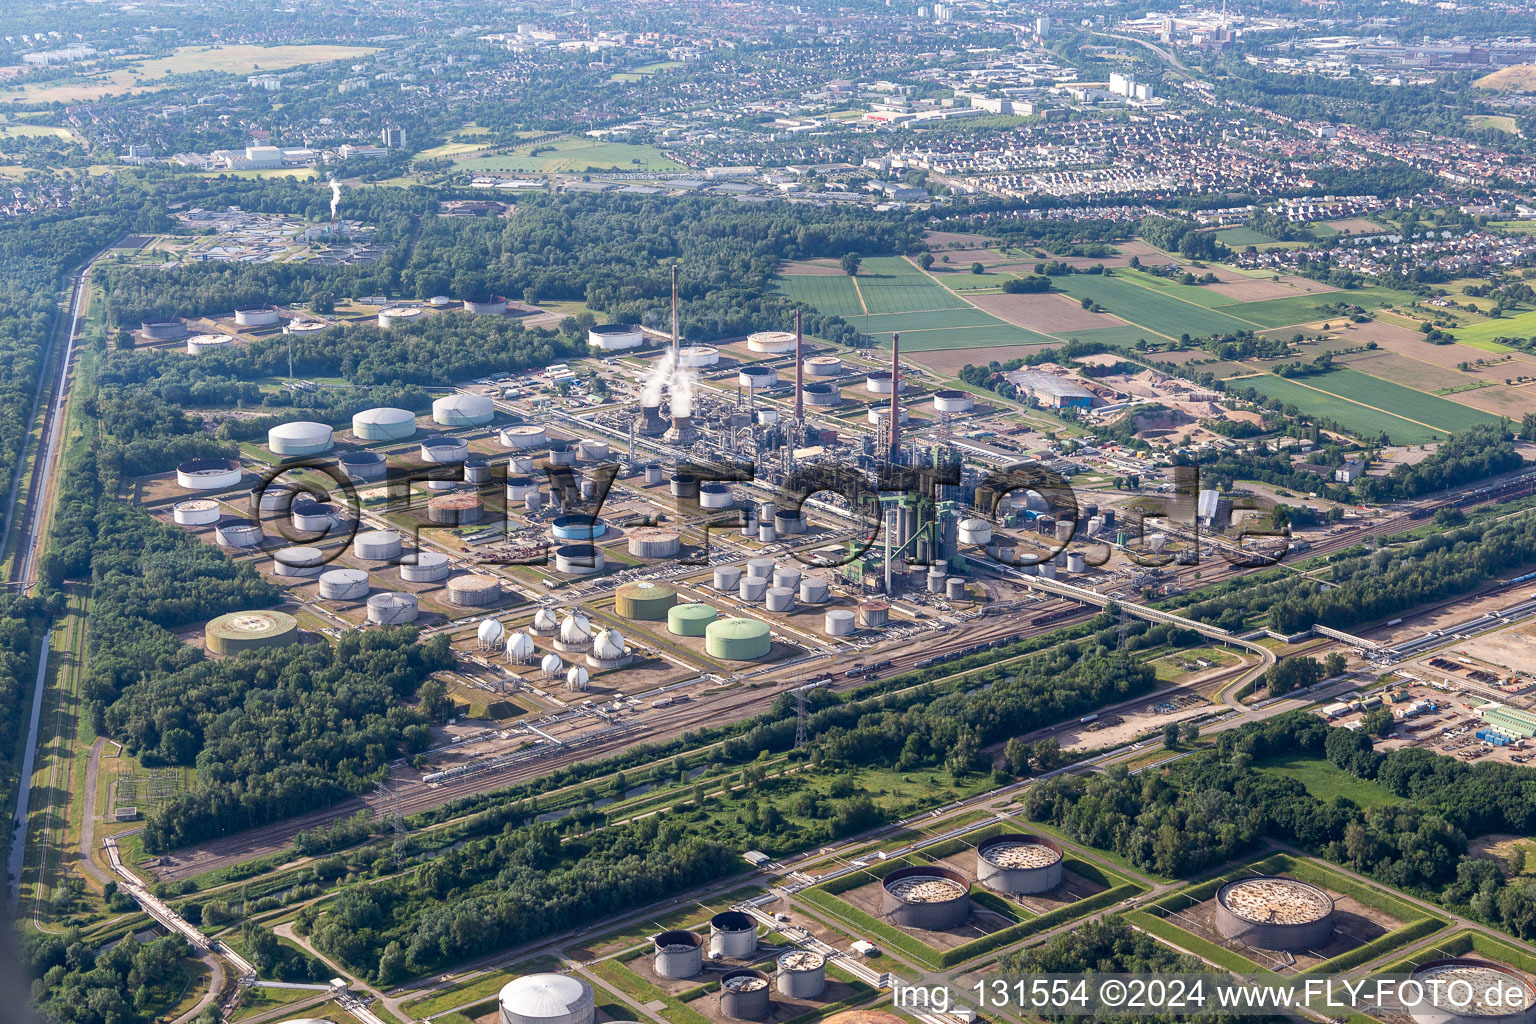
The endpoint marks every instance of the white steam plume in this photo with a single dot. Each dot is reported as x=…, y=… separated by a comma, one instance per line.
x=335, y=197
x=676, y=380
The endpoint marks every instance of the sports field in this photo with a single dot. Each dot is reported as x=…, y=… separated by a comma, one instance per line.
x=1367, y=405
x=572, y=154
x=148, y=75
x=1521, y=325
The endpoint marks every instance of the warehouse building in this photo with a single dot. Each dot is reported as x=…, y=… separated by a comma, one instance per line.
x=1513, y=722
x=1051, y=391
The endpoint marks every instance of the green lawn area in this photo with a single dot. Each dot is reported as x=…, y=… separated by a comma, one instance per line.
x=1242, y=236
x=892, y=285
x=1325, y=781
x=1148, y=307
x=572, y=154
x=1521, y=325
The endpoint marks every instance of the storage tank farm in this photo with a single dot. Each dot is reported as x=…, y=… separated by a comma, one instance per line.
x=1018, y=864
x=678, y=954
x=733, y=934
x=925, y=896
x=802, y=974
x=1275, y=913
x=745, y=995
x=1468, y=990
x=236, y=632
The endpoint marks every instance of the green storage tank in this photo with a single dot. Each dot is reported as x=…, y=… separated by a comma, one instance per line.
x=644, y=600
x=691, y=619
x=246, y=631
x=737, y=639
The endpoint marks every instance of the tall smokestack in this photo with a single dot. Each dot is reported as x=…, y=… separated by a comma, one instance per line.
x=799, y=372
x=675, y=335
x=895, y=396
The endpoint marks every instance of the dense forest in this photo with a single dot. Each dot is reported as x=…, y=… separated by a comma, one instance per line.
x=127, y=984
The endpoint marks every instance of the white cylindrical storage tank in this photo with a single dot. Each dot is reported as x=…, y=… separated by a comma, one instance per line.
x=733, y=934
x=164, y=330
x=376, y=545
x=463, y=410
x=477, y=469
x=475, y=590
x=519, y=487
x=520, y=465
x=684, y=485
x=383, y=424
x=678, y=954
x=761, y=567
x=201, y=344
x=615, y=337
x=305, y=328
x=788, y=578
x=424, y=567
x=654, y=542
x=524, y=435
x=880, y=416
x=757, y=376
x=344, y=585
x=392, y=609
x=788, y=521
x=953, y=401
x=301, y=437
x=813, y=591
x=823, y=366
x=546, y=999
x=875, y=614
x=238, y=532
x=878, y=382
x=1076, y=563
x=1018, y=863
x=444, y=450
x=802, y=974
x=822, y=394
x=839, y=622
x=727, y=577
x=716, y=495
x=779, y=599
x=1048, y=570
x=752, y=588
x=697, y=357
x=590, y=450
x=298, y=562
x=195, y=512
x=765, y=533
x=1470, y=990
x=774, y=343
x=491, y=305
x=314, y=516
x=767, y=417
x=397, y=316
x=362, y=466
x=654, y=474
x=275, y=496
x=936, y=576
x=257, y=316
x=975, y=531
x=579, y=559
x=954, y=589
x=209, y=474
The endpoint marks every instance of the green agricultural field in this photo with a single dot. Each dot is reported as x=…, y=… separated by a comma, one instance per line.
x=931, y=319
x=1300, y=309
x=1149, y=308
x=1356, y=419
x=998, y=336
x=1521, y=325
x=1243, y=236
x=1383, y=394
x=890, y=284
x=1198, y=294
x=834, y=296
x=1113, y=337
x=573, y=154
x=1325, y=781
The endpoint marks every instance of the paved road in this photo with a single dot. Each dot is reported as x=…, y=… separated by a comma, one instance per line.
x=88, y=819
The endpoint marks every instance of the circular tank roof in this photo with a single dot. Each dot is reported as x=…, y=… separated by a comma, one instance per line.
x=252, y=625
x=544, y=995
x=738, y=629
x=1274, y=900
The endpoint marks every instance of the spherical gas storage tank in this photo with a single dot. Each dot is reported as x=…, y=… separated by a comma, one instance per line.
x=1272, y=912
x=376, y=545
x=678, y=954
x=925, y=896
x=463, y=411
x=774, y=343
x=344, y=585
x=615, y=337
x=475, y=590
x=1469, y=990
x=383, y=424
x=195, y=512
x=393, y=609
x=299, y=438
x=644, y=600
x=209, y=474
x=802, y=974
x=690, y=619
x=733, y=933
x=654, y=542
x=298, y=562
x=246, y=631
x=424, y=567
x=1018, y=863
x=363, y=466
x=745, y=995
x=546, y=999
x=737, y=639
x=257, y=316
x=953, y=401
